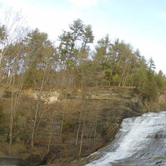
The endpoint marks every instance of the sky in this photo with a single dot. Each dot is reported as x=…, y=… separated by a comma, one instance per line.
x=142, y=23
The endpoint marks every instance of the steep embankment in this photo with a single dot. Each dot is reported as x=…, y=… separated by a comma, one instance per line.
x=104, y=109
x=75, y=122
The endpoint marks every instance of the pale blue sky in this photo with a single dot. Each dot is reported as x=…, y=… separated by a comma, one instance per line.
x=141, y=23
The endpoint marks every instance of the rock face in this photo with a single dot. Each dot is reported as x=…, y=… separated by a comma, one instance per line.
x=48, y=97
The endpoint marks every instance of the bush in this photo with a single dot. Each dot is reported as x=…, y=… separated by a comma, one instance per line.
x=7, y=94
x=16, y=150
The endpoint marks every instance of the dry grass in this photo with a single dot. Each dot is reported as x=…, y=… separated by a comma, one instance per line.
x=16, y=150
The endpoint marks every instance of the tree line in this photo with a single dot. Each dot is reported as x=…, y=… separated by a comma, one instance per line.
x=73, y=62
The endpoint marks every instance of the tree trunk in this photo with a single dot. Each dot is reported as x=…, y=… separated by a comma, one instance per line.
x=82, y=135
x=78, y=130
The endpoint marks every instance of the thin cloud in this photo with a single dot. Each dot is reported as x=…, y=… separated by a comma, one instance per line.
x=162, y=16
x=16, y=4
x=85, y=3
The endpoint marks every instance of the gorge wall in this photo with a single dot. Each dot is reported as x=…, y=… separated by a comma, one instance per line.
x=75, y=122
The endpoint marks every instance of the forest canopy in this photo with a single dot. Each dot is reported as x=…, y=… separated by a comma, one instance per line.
x=72, y=63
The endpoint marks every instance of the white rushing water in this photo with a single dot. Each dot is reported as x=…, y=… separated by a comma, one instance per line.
x=141, y=140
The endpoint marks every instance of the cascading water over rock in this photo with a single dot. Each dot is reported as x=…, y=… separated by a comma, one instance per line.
x=141, y=141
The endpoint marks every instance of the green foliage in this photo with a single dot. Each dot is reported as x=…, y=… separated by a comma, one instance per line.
x=74, y=63
x=69, y=49
x=68, y=126
x=116, y=79
x=111, y=63
x=40, y=54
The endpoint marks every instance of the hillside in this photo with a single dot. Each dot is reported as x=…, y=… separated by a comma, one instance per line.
x=76, y=123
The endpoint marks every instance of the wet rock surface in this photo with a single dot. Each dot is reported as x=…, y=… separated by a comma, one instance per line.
x=141, y=141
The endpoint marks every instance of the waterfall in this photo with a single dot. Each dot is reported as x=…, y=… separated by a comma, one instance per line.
x=141, y=141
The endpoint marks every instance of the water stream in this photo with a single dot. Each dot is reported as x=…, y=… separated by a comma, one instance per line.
x=141, y=141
